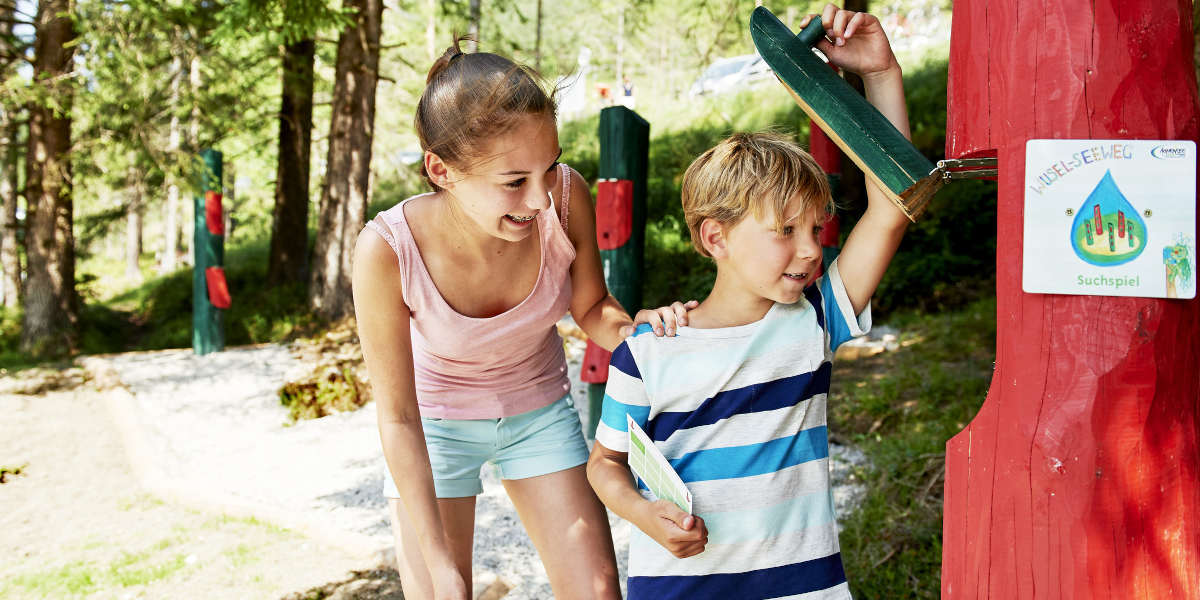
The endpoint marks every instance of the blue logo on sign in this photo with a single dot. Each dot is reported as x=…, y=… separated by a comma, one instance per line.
x=1165, y=152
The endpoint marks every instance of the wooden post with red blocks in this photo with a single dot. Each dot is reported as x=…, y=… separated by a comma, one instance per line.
x=829, y=157
x=620, y=231
x=1080, y=476
x=210, y=293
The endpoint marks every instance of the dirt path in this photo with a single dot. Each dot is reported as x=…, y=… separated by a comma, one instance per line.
x=74, y=523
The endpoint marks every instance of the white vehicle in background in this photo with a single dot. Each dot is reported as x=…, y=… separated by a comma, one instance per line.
x=728, y=74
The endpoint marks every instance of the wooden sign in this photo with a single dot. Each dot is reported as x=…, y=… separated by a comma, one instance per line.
x=859, y=129
x=1110, y=218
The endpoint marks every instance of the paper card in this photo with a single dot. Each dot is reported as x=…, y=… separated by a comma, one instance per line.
x=648, y=463
x=1110, y=218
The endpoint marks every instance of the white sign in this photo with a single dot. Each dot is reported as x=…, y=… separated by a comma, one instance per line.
x=648, y=463
x=1110, y=218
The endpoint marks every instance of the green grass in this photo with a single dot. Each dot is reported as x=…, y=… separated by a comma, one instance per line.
x=900, y=408
x=82, y=578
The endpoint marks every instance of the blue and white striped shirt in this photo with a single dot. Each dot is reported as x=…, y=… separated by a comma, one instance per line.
x=740, y=413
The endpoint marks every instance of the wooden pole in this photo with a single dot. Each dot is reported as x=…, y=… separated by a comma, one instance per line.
x=1080, y=476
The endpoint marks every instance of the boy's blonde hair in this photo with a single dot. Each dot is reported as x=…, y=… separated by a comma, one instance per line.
x=751, y=173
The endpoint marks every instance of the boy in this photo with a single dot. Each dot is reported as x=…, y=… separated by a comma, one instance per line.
x=736, y=400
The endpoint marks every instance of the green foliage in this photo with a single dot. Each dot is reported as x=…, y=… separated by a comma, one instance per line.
x=900, y=408
x=945, y=260
x=336, y=390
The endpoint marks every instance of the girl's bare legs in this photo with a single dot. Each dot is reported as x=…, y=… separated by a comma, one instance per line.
x=458, y=521
x=569, y=528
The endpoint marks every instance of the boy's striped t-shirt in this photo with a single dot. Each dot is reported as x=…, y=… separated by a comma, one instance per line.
x=739, y=412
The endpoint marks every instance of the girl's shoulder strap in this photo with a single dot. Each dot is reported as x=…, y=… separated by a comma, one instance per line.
x=565, y=204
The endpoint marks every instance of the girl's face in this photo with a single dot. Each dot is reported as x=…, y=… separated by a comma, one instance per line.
x=502, y=191
x=776, y=263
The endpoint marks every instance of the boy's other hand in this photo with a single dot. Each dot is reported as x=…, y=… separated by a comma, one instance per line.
x=665, y=320
x=681, y=534
x=854, y=41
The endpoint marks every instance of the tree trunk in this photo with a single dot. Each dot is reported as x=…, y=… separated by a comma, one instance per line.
x=170, y=253
x=10, y=262
x=537, y=46
x=51, y=306
x=473, y=26
x=289, y=230
x=10, y=257
x=195, y=82
x=230, y=200
x=431, y=31
x=343, y=206
x=133, y=226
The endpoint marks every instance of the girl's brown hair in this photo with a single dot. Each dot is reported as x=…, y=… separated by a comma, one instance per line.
x=469, y=98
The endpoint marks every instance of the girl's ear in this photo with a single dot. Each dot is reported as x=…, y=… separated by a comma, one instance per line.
x=712, y=237
x=438, y=170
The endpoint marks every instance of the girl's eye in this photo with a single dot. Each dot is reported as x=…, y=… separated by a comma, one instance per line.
x=515, y=184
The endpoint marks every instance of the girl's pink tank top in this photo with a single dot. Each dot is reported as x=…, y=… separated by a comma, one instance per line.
x=493, y=367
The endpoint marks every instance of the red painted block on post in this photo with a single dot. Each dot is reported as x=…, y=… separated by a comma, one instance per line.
x=1080, y=476
x=595, y=364
x=218, y=290
x=212, y=213
x=614, y=213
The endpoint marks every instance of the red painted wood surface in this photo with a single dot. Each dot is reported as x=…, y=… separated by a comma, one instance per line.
x=595, y=364
x=218, y=289
x=614, y=213
x=212, y=213
x=1079, y=476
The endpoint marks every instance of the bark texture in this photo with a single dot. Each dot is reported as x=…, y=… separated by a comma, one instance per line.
x=51, y=305
x=345, y=191
x=289, y=230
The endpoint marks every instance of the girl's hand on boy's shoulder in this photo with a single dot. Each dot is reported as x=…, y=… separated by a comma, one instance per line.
x=854, y=41
x=665, y=320
x=681, y=534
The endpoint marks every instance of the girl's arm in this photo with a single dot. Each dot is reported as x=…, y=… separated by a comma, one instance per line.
x=861, y=46
x=595, y=310
x=681, y=534
x=387, y=350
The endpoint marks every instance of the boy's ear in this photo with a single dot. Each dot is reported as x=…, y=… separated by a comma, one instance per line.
x=712, y=237
x=438, y=170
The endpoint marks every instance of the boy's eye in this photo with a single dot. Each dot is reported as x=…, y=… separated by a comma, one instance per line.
x=787, y=230
x=515, y=184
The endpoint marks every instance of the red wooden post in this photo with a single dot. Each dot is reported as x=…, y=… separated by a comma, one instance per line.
x=1080, y=476
x=829, y=156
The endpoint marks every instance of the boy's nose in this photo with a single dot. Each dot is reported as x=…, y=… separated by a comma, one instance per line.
x=809, y=248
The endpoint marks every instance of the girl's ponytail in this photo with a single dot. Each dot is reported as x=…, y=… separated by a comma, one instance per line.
x=447, y=57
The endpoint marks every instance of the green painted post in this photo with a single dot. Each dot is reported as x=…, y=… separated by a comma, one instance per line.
x=210, y=294
x=620, y=229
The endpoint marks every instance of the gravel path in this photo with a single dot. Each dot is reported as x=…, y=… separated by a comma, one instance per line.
x=210, y=430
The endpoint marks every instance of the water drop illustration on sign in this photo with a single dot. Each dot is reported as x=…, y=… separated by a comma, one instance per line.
x=1108, y=230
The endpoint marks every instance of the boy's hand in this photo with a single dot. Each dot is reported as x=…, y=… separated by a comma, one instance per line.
x=681, y=534
x=665, y=320
x=858, y=44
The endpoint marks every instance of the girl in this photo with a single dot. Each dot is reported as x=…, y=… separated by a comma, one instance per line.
x=457, y=292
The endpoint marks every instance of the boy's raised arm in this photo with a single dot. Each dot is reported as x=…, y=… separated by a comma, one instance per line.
x=859, y=45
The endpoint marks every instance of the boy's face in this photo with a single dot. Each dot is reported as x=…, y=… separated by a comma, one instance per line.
x=771, y=263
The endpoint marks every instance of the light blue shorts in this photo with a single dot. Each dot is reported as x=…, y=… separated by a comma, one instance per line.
x=541, y=441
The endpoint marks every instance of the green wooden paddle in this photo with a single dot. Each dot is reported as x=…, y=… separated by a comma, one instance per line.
x=862, y=132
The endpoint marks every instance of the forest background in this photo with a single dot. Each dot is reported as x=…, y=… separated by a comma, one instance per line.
x=105, y=105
